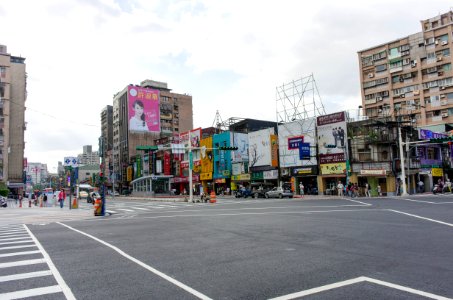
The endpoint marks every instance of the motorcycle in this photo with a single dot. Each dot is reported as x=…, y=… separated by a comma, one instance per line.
x=244, y=193
x=437, y=189
x=3, y=202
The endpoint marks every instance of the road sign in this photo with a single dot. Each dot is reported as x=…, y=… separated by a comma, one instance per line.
x=70, y=162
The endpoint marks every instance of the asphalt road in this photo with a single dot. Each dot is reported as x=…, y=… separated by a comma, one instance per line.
x=323, y=248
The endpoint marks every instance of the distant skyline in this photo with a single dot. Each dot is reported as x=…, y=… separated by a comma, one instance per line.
x=229, y=55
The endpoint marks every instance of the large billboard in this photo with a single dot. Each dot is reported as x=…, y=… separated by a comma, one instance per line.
x=290, y=136
x=260, y=147
x=241, y=141
x=332, y=138
x=143, y=107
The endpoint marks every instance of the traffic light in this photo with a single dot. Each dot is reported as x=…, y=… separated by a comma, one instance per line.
x=442, y=140
x=227, y=148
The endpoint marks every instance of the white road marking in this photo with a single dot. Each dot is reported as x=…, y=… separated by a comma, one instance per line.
x=16, y=242
x=11, y=231
x=140, y=208
x=7, y=235
x=62, y=284
x=421, y=201
x=420, y=217
x=31, y=292
x=17, y=247
x=111, y=211
x=358, y=280
x=356, y=201
x=22, y=263
x=19, y=253
x=263, y=213
x=142, y=264
x=129, y=210
x=13, y=239
x=25, y=275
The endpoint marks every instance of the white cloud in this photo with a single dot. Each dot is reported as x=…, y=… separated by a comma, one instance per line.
x=229, y=55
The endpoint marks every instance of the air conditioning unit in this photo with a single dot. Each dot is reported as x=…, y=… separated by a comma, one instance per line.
x=414, y=64
x=378, y=98
x=403, y=95
x=444, y=115
x=416, y=92
x=442, y=88
x=444, y=43
x=444, y=102
x=371, y=75
x=439, y=58
x=436, y=42
x=442, y=95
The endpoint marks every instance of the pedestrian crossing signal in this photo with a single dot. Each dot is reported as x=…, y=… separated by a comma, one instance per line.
x=227, y=148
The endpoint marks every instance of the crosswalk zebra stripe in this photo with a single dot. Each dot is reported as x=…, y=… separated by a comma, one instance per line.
x=22, y=263
x=17, y=247
x=130, y=210
x=17, y=242
x=19, y=253
x=16, y=238
x=25, y=275
x=140, y=208
x=32, y=292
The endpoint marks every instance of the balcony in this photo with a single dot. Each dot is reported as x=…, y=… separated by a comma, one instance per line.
x=168, y=116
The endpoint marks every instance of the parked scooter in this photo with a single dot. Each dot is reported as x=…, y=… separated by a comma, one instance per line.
x=242, y=193
x=437, y=189
x=3, y=202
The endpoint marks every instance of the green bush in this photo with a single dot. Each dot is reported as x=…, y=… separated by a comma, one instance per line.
x=4, y=192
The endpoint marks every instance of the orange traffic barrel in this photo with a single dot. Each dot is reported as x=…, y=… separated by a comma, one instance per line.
x=212, y=197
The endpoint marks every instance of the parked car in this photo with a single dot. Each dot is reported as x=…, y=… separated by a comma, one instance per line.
x=83, y=194
x=259, y=189
x=279, y=192
x=115, y=193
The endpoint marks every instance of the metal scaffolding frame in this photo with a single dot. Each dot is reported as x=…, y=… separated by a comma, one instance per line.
x=298, y=100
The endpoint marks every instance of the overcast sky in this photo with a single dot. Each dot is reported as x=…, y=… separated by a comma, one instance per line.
x=229, y=55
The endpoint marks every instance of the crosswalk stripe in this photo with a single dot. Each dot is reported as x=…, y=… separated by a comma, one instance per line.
x=25, y=275
x=17, y=247
x=13, y=235
x=130, y=210
x=32, y=292
x=17, y=242
x=11, y=231
x=16, y=238
x=19, y=253
x=22, y=263
x=111, y=211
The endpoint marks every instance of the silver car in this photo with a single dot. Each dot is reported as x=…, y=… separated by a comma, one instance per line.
x=279, y=192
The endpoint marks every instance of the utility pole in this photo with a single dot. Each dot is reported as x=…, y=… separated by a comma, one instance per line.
x=403, y=169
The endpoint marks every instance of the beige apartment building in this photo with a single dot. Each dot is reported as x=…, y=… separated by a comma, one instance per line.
x=13, y=83
x=411, y=77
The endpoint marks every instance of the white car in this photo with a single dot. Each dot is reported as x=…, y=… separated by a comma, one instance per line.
x=115, y=193
x=279, y=192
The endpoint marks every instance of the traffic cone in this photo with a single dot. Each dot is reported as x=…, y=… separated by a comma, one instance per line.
x=74, y=203
x=212, y=198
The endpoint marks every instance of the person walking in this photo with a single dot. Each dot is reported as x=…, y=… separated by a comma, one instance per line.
x=61, y=197
x=367, y=190
x=379, y=190
x=421, y=186
x=44, y=199
x=340, y=188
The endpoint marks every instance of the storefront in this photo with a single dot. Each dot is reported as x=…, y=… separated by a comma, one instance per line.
x=331, y=174
x=238, y=180
x=307, y=176
x=206, y=182
x=374, y=178
x=181, y=184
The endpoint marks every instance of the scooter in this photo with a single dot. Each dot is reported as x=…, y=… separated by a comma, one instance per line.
x=3, y=202
x=437, y=189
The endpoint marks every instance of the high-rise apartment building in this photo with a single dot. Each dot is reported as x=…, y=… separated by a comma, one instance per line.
x=88, y=157
x=13, y=93
x=411, y=78
x=143, y=114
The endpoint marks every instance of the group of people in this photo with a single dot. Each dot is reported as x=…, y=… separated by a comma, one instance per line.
x=352, y=189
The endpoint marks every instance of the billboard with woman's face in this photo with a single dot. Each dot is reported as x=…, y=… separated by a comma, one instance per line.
x=143, y=107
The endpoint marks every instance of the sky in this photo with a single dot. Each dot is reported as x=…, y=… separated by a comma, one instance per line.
x=229, y=55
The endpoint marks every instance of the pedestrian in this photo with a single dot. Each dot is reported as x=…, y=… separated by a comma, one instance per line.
x=421, y=186
x=340, y=188
x=448, y=185
x=367, y=190
x=61, y=197
x=301, y=188
x=356, y=190
x=44, y=199
x=379, y=190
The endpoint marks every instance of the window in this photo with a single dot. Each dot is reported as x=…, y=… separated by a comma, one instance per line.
x=443, y=38
x=380, y=55
x=2, y=72
x=429, y=41
x=394, y=52
x=381, y=68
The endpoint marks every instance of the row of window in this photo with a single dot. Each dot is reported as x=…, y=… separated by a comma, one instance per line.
x=375, y=83
x=382, y=94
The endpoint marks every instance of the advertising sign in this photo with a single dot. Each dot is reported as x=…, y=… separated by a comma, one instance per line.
x=241, y=141
x=333, y=169
x=290, y=136
x=143, y=107
x=195, y=136
x=260, y=147
x=425, y=134
x=304, y=151
x=332, y=138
